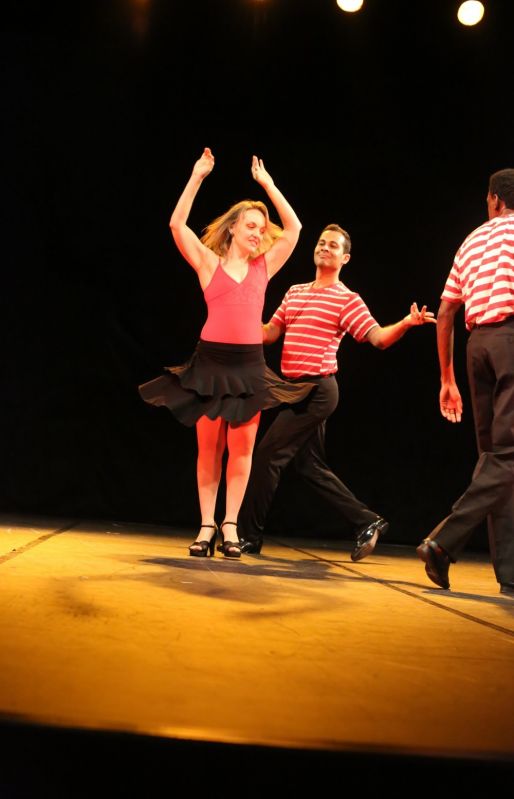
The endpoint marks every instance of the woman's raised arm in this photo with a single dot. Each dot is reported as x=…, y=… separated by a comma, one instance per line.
x=197, y=254
x=282, y=248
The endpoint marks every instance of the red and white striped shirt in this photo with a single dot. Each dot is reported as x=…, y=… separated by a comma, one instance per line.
x=482, y=275
x=315, y=321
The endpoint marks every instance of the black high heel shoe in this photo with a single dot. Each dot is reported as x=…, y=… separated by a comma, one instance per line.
x=230, y=549
x=206, y=545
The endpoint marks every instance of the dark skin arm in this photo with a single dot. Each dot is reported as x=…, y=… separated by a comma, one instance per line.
x=450, y=401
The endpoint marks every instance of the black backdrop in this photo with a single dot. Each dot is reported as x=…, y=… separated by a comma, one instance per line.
x=388, y=122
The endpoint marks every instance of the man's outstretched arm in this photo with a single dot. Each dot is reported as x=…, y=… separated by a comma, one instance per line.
x=383, y=337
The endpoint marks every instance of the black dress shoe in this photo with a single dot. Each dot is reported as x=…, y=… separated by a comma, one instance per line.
x=250, y=547
x=368, y=537
x=436, y=560
x=507, y=588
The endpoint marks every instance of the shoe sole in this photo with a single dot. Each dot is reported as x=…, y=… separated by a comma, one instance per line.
x=426, y=554
x=366, y=549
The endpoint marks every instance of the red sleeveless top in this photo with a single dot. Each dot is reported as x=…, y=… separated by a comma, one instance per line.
x=235, y=309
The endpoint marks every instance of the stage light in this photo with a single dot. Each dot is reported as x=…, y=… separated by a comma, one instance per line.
x=470, y=12
x=139, y=12
x=350, y=5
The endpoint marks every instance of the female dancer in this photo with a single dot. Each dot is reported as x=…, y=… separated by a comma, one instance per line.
x=226, y=383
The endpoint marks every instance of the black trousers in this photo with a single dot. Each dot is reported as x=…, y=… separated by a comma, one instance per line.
x=490, y=363
x=298, y=435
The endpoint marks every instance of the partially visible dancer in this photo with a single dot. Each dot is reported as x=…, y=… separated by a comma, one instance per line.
x=314, y=318
x=226, y=383
x=482, y=278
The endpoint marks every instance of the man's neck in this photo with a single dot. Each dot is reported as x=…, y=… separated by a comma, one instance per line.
x=323, y=279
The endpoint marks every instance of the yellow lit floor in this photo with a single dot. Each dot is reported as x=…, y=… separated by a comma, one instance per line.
x=114, y=627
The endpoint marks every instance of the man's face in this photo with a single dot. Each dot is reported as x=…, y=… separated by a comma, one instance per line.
x=329, y=251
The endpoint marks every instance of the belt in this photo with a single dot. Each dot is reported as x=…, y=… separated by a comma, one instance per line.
x=509, y=320
x=310, y=378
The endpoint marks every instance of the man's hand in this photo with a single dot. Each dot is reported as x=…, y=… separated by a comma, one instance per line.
x=450, y=402
x=270, y=333
x=417, y=317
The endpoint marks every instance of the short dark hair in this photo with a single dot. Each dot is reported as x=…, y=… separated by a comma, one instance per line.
x=502, y=184
x=347, y=240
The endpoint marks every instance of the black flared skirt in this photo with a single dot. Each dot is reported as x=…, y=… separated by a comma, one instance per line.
x=230, y=381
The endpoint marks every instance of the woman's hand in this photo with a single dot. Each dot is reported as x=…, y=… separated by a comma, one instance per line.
x=204, y=165
x=259, y=173
x=201, y=258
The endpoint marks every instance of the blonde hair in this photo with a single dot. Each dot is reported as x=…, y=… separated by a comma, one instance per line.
x=217, y=235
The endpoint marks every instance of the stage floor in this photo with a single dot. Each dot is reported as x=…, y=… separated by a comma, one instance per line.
x=114, y=627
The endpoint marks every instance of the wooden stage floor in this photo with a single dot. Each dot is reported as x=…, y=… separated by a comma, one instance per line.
x=292, y=662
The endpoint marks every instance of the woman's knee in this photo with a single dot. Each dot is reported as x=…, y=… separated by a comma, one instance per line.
x=241, y=437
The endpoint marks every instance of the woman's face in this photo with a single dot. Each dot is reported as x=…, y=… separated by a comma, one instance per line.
x=248, y=230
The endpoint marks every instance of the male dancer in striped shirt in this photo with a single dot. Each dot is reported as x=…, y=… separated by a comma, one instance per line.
x=482, y=277
x=314, y=318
